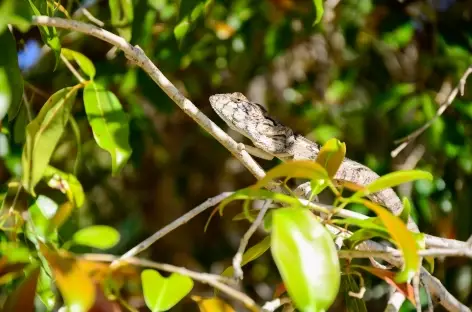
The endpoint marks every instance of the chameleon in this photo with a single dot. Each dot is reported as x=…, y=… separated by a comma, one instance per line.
x=273, y=139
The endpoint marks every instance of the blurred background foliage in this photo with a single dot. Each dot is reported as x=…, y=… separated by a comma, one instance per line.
x=369, y=73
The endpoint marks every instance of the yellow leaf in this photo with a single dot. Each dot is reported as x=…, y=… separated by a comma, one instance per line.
x=403, y=238
x=75, y=286
x=212, y=304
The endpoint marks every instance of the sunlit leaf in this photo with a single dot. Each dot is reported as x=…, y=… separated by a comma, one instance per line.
x=403, y=238
x=22, y=298
x=75, y=286
x=319, y=10
x=306, y=257
x=41, y=212
x=109, y=123
x=84, y=62
x=212, y=304
x=11, y=81
x=97, y=236
x=294, y=169
x=161, y=294
x=393, y=179
x=62, y=214
x=251, y=254
x=331, y=156
x=43, y=134
x=67, y=183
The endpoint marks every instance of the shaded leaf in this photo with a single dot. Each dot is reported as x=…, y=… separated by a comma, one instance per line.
x=250, y=255
x=75, y=286
x=306, y=258
x=48, y=34
x=43, y=134
x=16, y=13
x=122, y=15
x=109, y=123
x=161, y=294
x=353, y=304
x=84, y=62
x=97, y=236
x=11, y=81
x=22, y=298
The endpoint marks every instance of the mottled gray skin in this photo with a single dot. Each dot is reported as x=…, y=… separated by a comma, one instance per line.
x=269, y=135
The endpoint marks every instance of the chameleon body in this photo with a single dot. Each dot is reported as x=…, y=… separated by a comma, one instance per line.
x=273, y=139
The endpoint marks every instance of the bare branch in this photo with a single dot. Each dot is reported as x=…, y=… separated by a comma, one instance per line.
x=238, y=257
x=210, y=279
x=409, y=138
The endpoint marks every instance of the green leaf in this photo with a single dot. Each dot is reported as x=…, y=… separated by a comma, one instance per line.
x=11, y=81
x=306, y=257
x=122, y=15
x=331, y=156
x=97, y=236
x=250, y=255
x=189, y=12
x=294, y=169
x=48, y=34
x=67, y=183
x=319, y=11
x=251, y=193
x=365, y=234
x=84, y=62
x=161, y=294
x=43, y=134
x=109, y=123
x=19, y=127
x=14, y=12
x=393, y=179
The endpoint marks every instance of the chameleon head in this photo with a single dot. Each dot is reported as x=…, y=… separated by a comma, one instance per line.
x=252, y=120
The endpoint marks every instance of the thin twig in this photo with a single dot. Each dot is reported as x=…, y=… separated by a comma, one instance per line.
x=72, y=69
x=216, y=281
x=172, y=226
x=409, y=138
x=238, y=257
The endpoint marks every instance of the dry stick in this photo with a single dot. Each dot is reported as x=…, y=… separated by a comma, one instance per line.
x=238, y=257
x=138, y=57
x=210, y=279
x=409, y=138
